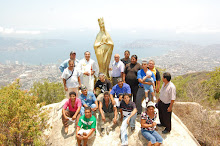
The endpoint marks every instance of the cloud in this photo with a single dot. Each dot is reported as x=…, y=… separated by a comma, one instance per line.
x=8, y=30
x=12, y=31
x=133, y=31
x=1, y=29
x=197, y=30
x=27, y=32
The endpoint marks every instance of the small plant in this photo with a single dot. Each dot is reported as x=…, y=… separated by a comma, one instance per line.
x=22, y=121
x=48, y=92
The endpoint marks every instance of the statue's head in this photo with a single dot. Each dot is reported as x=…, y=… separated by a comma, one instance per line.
x=101, y=24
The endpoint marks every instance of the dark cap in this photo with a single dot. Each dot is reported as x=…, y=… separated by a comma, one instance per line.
x=72, y=52
x=83, y=87
x=119, y=80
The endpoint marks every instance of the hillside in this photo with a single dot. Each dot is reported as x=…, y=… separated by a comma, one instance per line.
x=204, y=124
x=200, y=87
x=200, y=111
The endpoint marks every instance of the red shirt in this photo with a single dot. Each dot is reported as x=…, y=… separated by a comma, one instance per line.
x=76, y=105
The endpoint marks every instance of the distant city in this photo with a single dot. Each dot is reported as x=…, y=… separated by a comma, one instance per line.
x=181, y=58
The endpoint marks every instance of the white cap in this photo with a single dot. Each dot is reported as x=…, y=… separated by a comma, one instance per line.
x=150, y=104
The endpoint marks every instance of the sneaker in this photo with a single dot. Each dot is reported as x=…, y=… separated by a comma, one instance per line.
x=154, y=98
x=165, y=131
x=66, y=130
x=160, y=125
x=132, y=129
x=102, y=131
x=108, y=129
x=147, y=99
x=125, y=144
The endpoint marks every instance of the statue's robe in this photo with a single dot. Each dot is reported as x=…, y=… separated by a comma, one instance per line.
x=104, y=51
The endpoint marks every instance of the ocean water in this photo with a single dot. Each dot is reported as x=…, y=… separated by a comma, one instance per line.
x=56, y=54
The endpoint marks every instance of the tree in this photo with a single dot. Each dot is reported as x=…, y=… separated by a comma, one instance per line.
x=213, y=86
x=48, y=92
x=22, y=119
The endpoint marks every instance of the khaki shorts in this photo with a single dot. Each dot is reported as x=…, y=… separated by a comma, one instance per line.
x=100, y=97
x=81, y=131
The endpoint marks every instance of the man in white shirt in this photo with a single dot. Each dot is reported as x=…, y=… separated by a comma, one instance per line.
x=165, y=102
x=117, y=69
x=71, y=79
x=88, y=68
x=64, y=65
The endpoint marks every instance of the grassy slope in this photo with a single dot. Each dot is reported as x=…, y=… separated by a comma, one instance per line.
x=192, y=88
x=200, y=120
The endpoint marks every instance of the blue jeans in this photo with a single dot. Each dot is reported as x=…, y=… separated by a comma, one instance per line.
x=152, y=136
x=124, y=125
x=82, y=111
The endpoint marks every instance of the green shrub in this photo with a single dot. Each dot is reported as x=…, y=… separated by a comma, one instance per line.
x=48, y=92
x=181, y=87
x=214, y=84
x=201, y=87
x=22, y=121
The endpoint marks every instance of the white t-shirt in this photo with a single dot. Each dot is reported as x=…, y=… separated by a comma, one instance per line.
x=72, y=82
x=117, y=68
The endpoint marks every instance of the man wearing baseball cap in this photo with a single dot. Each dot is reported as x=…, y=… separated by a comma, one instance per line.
x=118, y=90
x=88, y=99
x=64, y=65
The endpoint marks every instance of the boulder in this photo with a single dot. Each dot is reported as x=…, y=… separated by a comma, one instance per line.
x=55, y=136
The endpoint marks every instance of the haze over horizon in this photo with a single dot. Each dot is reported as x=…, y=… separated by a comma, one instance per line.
x=189, y=20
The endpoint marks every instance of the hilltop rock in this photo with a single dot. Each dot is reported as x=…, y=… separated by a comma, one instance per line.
x=203, y=123
x=179, y=135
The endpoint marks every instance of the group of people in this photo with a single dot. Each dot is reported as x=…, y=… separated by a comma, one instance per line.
x=133, y=87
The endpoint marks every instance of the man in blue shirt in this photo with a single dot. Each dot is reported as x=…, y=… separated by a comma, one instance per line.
x=117, y=92
x=88, y=99
x=65, y=64
x=141, y=93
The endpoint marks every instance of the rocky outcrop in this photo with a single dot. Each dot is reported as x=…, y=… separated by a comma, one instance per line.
x=55, y=136
x=203, y=123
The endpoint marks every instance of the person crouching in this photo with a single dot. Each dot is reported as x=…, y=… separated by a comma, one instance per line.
x=74, y=104
x=86, y=127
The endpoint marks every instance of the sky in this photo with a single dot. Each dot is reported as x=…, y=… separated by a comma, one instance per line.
x=34, y=17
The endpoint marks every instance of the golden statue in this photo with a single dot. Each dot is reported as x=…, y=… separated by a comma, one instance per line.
x=103, y=48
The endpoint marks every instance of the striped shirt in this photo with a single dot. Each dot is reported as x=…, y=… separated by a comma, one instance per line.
x=127, y=108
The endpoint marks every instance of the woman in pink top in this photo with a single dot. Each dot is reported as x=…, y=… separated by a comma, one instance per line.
x=73, y=113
